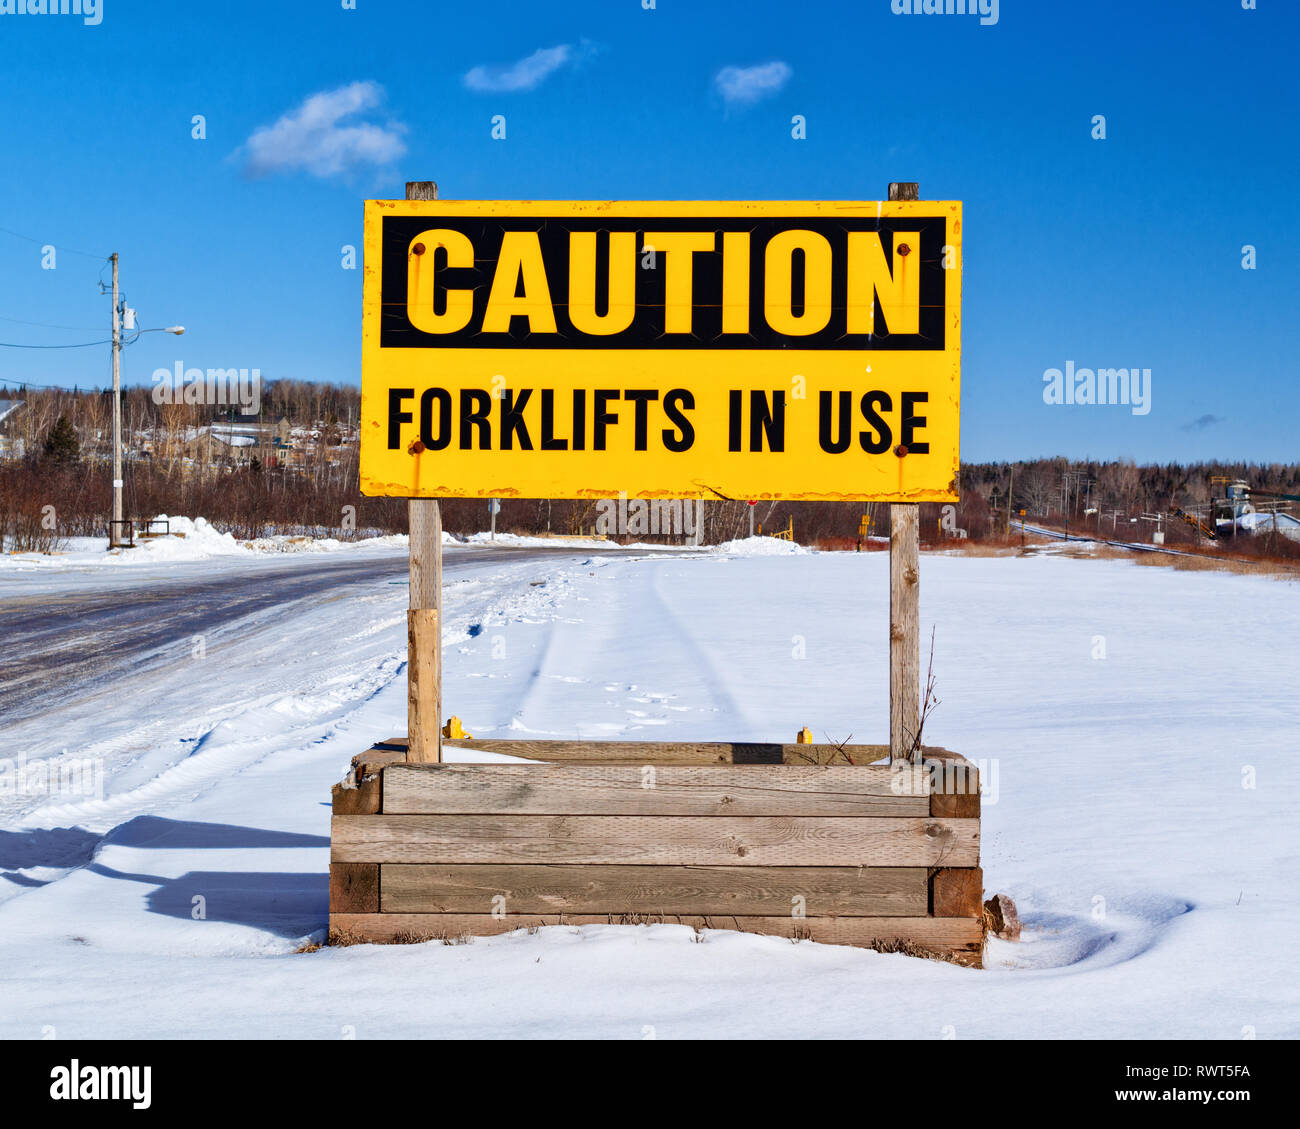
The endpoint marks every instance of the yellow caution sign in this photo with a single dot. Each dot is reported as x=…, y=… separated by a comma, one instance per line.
x=752, y=350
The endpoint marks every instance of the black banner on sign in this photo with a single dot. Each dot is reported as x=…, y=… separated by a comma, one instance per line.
x=466, y=277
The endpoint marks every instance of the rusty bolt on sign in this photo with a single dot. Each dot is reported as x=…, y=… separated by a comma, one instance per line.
x=900, y=450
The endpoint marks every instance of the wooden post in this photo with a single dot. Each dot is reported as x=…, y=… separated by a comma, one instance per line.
x=904, y=602
x=423, y=620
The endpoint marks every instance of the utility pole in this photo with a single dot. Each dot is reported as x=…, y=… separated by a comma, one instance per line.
x=115, y=526
x=1011, y=487
x=1077, y=480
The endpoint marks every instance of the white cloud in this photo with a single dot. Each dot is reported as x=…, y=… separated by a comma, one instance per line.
x=316, y=138
x=743, y=86
x=527, y=73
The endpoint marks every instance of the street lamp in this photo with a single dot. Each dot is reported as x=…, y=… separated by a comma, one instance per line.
x=115, y=525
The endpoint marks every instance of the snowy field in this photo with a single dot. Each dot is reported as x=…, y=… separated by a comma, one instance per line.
x=1136, y=725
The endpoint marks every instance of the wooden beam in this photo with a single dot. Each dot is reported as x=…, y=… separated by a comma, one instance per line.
x=374, y=760
x=904, y=600
x=956, y=792
x=354, y=887
x=424, y=632
x=625, y=789
x=679, y=752
x=960, y=939
x=393, y=751
x=426, y=552
x=708, y=840
x=954, y=892
x=424, y=674
x=360, y=799
x=904, y=631
x=763, y=891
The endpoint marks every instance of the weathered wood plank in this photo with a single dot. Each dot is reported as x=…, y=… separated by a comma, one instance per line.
x=612, y=789
x=424, y=671
x=361, y=799
x=904, y=627
x=905, y=704
x=958, y=938
x=424, y=636
x=662, y=752
x=683, y=752
x=956, y=792
x=680, y=752
x=825, y=891
x=354, y=887
x=653, y=840
x=954, y=892
x=375, y=759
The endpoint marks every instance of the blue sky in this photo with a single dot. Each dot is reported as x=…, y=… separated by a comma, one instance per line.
x=1123, y=252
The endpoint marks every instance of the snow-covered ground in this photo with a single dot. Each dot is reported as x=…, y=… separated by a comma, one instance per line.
x=1137, y=728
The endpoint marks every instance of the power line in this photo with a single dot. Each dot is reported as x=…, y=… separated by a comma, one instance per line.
x=57, y=248
x=49, y=325
x=82, y=345
x=42, y=325
x=22, y=384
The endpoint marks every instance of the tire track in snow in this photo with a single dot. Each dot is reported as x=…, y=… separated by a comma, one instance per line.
x=585, y=651
x=198, y=729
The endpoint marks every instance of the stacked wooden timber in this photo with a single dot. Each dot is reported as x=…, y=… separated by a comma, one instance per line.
x=800, y=841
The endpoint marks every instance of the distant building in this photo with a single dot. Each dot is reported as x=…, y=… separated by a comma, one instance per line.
x=236, y=441
x=1280, y=522
x=254, y=427
x=11, y=446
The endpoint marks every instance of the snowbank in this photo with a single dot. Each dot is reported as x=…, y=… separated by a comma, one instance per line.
x=191, y=539
x=759, y=547
x=194, y=539
x=300, y=544
x=188, y=539
x=522, y=541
